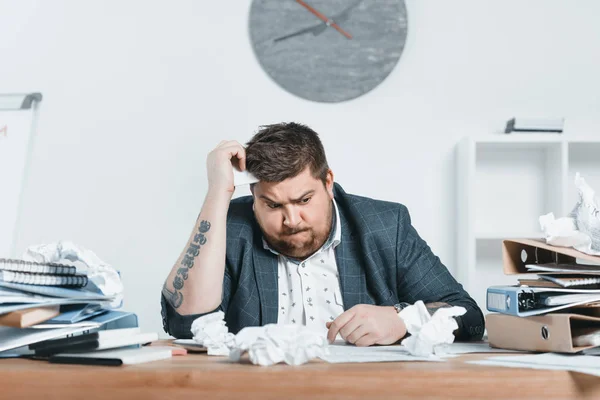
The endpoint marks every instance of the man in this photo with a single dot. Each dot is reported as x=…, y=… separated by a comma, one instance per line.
x=301, y=250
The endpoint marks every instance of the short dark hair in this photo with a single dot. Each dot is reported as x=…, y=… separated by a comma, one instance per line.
x=281, y=151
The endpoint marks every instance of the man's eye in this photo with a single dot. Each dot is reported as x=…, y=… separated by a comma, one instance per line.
x=274, y=205
x=306, y=200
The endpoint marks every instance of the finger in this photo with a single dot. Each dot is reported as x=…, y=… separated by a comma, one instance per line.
x=350, y=327
x=239, y=153
x=225, y=143
x=339, y=323
x=358, y=333
x=366, y=340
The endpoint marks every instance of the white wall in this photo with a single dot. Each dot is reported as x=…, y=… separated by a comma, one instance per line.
x=137, y=92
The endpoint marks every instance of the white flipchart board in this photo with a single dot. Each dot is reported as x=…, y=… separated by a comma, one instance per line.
x=17, y=125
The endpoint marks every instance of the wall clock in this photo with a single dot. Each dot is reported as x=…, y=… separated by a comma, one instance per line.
x=328, y=50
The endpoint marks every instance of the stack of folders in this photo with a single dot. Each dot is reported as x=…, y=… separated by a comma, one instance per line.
x=41, y=301
x=555, y=306
x=112, y=347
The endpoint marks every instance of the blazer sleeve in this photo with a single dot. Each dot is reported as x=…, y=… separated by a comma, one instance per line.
x=422, y=276
x=178, y=325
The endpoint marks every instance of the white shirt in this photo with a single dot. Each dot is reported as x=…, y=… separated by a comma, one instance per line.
x=309, y=290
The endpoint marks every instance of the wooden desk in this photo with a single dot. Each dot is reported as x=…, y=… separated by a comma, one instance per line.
x=200, y=376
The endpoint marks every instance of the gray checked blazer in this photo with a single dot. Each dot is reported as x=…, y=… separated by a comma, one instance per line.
x=381, y=260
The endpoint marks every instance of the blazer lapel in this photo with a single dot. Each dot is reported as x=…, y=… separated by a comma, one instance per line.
x=348, y=266
x=265, y=271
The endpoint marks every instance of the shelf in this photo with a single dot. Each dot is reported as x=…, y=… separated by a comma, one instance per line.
x=509, y=235
x=506, y=204
x=537, y=138
x=504, y=183
x=585, y=159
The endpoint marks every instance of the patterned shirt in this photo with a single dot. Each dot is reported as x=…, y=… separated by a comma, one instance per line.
x=309, y=290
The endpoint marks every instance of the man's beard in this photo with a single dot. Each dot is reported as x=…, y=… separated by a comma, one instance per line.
x=306, y=248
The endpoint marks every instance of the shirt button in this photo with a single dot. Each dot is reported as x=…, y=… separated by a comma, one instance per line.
x=303, y=265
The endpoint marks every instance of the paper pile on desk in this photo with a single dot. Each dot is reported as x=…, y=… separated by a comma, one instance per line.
x=49, y=303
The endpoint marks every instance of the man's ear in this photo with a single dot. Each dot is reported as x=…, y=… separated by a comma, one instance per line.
x=329, y=183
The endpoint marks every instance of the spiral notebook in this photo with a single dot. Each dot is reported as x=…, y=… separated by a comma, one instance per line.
x=572, y=280
x=7, y=264
x=43, y=279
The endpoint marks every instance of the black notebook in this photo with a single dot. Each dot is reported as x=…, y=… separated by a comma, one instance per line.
x=7, y=264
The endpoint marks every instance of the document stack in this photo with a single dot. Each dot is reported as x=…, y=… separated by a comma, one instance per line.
x=41, y=301
x=108, y=347
x=556, y=307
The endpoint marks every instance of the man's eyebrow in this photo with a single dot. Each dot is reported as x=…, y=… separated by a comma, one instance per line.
x=262, y=196
x=304, y=195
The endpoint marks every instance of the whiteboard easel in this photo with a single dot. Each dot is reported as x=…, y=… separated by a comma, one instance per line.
x=18, y=115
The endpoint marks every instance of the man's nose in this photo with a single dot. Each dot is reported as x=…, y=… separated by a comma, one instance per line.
x=291, y=217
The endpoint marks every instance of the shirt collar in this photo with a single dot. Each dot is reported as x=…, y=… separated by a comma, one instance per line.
x=335, y=235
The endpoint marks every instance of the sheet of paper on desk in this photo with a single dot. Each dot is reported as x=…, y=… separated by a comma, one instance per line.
x=344, y=353
x=479, y=347
x=552, y=361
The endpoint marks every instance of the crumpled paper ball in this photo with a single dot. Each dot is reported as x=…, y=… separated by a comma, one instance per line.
x=272, y=344
x=429, y=333
x=211, y=332
x=102, y=277
x=581, y=229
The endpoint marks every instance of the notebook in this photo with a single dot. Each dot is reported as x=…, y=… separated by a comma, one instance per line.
x=74, y=313
x=537, y=283
x=43, y=279
x=114, y=357
x=28, y=317
x=572, y=280
x=8, y=264
x=102, y=340
x=55, y=291
x=12, y=338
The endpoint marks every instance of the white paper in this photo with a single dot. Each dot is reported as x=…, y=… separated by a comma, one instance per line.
x=429, y=332
x=243, y=178
x=211, y=331
x=466, y=348
x=578, y=363
x=273, y=343
x=340, y=352
x=100, y=274
x=15, y=135
x=581, y=229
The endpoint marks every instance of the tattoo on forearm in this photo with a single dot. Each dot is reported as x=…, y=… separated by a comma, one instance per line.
x=176, y=297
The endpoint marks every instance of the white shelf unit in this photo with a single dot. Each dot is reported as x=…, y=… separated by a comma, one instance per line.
x=504, y=184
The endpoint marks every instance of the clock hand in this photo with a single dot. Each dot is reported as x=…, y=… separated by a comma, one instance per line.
x=323, y=18
x=302, y=31
x=340, y=17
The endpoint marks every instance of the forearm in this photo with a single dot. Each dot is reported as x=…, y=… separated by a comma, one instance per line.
x=195, y=283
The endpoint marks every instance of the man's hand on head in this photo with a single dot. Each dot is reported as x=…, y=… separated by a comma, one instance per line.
x=366, y=325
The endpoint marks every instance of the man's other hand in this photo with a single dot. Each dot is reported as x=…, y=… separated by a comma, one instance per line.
x=366, y=325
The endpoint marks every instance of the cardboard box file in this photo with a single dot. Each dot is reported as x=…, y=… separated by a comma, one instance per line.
x=536, y=251
x=550, y=332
